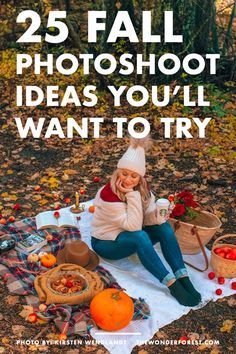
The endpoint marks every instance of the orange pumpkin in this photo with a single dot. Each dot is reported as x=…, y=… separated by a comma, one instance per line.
x=48, y=260
x=112, y=309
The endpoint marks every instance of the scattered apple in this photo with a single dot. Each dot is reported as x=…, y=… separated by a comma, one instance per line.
x=57, y=207
x=96, y=179
x=183, y=340
x=211, y=275
x=91, y=209
x=56, y=214
x=218, y=291
x=67, y=200
x=82, y=191
x=37, y=188
x=16, y=206
x=3, y=221
x=32, y=318
x=233, y=285
x=62, y=336
x=221, y=280
x=55, y=196
x=11, y=218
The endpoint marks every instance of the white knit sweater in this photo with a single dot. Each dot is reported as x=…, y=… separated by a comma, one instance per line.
x=111, y=218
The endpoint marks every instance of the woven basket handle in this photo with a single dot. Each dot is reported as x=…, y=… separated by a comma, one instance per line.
x=194, y=231
x=222, y=238
x=206, y=208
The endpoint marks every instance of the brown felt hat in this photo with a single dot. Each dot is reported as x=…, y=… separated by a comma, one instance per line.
x=77, y=252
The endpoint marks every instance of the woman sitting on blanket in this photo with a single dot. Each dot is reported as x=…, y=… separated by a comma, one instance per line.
x=125, y=222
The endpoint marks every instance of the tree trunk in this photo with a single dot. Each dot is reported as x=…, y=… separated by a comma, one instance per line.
x=203, y=15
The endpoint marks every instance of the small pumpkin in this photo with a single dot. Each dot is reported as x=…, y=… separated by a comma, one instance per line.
x=112, y=309
x=48, y=260
x=33, y=258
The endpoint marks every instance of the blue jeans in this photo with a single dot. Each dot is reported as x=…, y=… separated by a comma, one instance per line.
x=142, y=242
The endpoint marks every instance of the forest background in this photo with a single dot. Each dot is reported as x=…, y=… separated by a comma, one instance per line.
x=36, y=174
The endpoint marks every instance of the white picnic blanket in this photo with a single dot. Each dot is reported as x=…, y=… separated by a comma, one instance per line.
x=138, y=282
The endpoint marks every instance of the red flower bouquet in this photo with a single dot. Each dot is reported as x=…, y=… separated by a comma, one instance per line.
x=184, y=206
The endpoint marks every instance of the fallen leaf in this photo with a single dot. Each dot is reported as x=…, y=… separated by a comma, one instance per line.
x=178, y=174
x=35, y=176
x=18, y=330
x=227, y=326
x=5, y=340
x=27, y=309
x=43, y=202
x=231, y=302
x=12, y=300
x=193, y=336
x=215, y=351
x=70, y=172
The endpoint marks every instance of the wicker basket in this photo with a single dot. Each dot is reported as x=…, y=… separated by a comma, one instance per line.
x=203, y=227
x=223, y=267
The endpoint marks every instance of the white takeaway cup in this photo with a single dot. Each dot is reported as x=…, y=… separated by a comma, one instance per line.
x=163, y=206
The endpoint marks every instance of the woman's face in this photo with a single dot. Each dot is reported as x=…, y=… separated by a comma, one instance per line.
x=128, y=178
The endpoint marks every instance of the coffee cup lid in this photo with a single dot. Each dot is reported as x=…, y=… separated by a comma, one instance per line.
x=163, y=201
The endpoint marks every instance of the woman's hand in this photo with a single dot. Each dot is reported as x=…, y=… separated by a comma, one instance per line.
x=121, y=188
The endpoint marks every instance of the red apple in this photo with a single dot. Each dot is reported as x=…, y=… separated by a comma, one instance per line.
x=218, y=291
x=233, y=285
x=32, y=317
x=56, y=214
x=226, y=250
x=3, y=221
x=221, y=254
x=69, y=284
x=67, y=200
x=231, y=256
x=82, y=191
x=16, y=206
x=96, y=179
x=221, y=280
x=11, y=219
x=62, y=336
x=37, y=188
x=211, y=275
x=217, y=250
x=183, y=340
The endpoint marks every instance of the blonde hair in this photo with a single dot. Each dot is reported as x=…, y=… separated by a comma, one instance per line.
x=142, y=187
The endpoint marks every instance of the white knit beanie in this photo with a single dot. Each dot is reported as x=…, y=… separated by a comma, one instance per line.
x=134, y=158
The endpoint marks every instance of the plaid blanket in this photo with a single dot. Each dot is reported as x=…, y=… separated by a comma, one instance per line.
x=19, y=275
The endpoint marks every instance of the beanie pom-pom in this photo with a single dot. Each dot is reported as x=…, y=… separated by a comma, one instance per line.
x=145, y=142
